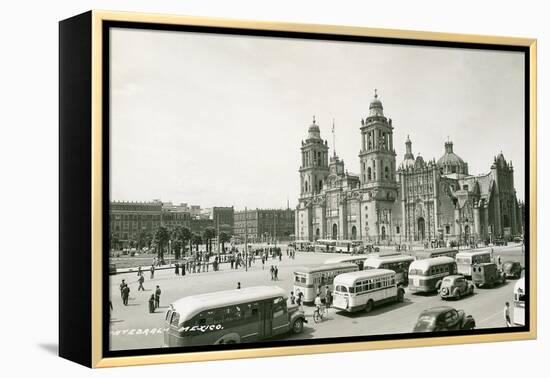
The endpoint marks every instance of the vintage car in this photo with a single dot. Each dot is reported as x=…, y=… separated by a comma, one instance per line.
x=512, y=269
x=487, y=274
x=500, y=242
x=455, y=286
x=443, y=318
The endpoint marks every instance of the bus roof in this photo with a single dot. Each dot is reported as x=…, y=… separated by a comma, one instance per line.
x=429, y=252
x=187, y=307
x=427, y=263
x=472, y=253
x=335, y=260
x=375, y=261
x=324, y=267
x=349, y=279
x=520, y=284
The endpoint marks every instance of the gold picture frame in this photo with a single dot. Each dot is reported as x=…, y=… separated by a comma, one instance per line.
x=91, y=26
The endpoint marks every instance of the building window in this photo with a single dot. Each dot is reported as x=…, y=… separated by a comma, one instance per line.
x=447, y=230
x=397, y=230
x=386, y=173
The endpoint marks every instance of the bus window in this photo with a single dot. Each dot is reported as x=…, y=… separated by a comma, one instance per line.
x=341, y=289
x=168, y=313
x=175, y=319
x=278, y=307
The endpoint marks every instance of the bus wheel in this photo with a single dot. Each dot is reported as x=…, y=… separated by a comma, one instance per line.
x=369, y=306
x=298, y=326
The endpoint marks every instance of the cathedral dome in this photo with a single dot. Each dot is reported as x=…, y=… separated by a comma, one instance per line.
x=451, y=162
x=313, y=131
x=375, y=108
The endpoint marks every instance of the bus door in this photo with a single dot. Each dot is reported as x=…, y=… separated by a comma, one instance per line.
x=280, y=316
x=267, y=319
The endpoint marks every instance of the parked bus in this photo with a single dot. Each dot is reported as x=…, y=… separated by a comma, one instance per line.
x=436, y=252
x=360, y=261
x=303, y=245
x=357, y=291
x=325, y=245
x=426, y=275
x=466, y=259
x=398, y=263
x=231, y=316
x=347, y=246
x=307, y=280
x=519, y=302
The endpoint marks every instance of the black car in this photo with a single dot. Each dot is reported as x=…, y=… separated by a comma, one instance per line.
x=443, y=318
x=512, y=269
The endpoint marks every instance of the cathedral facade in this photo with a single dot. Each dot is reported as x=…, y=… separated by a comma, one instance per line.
x=415, y=201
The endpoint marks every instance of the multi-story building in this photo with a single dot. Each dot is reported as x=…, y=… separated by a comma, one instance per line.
x=264, y=224
x=415, y=201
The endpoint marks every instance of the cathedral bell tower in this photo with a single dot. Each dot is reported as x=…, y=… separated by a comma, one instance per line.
x=378, y=179
x=314, y=168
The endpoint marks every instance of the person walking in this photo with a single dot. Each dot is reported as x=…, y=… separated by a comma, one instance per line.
x=140, y=281
x=152, y=271
x=157, y=297
x=272, y=271
x=183, y=269
x=506, y=313
x=300, y=300
x=177, y=269
x=125, y=295
x=238, y=285
x=276, y=273
x=152, y=304
x=263, y=262
x=122, y=285
x=292, y=298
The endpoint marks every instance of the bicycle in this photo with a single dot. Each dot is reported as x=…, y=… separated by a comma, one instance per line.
x=318, y=314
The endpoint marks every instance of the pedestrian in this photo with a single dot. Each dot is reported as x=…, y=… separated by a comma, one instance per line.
x=300, y=299
x=231, y=261
x=141, y=280
x=292, y=298
x=125, y=295
x=157, y=297
x=238, y=285
x=177, y=269
x=328, y=297
x=152, y=271
x=506, y=313
x=152, y=304
x=272, y=270
x=499, y=260
x=122, y=285
x=276, y=273
x=183, y=269
x=139, y=271
x=263, y=262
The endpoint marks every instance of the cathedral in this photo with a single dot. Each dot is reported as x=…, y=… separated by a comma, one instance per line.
x=415, y=201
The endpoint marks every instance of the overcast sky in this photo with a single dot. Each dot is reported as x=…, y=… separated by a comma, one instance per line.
x=218, y=120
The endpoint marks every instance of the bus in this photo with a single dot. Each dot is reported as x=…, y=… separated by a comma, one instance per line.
x=231, y=316
x=398, y=263
x=426, y=275
x=357, y=291
x=303, y=245
x=307, y=280
x=325, y=245
x=436, y=252
x=360, y=261
x=466, y=259
x=347, y=246
x=519, y=302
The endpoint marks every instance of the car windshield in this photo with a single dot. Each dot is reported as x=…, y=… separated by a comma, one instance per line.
x=425, y=322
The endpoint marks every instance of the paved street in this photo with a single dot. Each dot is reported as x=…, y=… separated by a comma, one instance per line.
x=133, y=327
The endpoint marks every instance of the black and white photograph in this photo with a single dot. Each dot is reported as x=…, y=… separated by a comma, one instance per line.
x=286, y=190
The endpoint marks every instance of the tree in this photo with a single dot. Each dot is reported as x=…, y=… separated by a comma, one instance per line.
x=181, y=236
x=224, y=238
x=161, y=237
x=196, y=239
x=208, y=234
x=144, y=239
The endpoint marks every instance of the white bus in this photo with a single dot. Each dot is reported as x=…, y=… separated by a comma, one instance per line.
x=426, y=275
x=309, y=280
x=360, y=261
x=231, y=316
x=347, y=246
x=466, y=259
x=519, y=302
x=398, y=263
x=325, y=245
x=357, y=291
